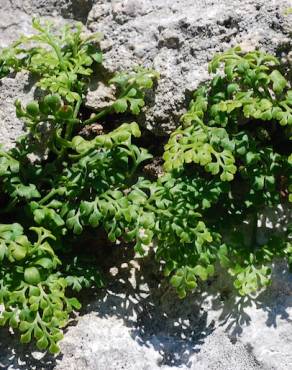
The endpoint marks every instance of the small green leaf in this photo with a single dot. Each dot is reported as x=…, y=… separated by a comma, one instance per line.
x=26, y=338
x=44, y=262
x=53, y=102
x=176, y=281
x=24, y=326
x=33, y=109
x=42, y=343
x=74, y=303
x=32, y=275
x=54, y=348
x=97, y=57
x=279, y=82
x=201, y=272
x=17, y=251
x=120, y=105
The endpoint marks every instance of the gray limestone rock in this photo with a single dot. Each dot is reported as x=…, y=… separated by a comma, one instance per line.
x=12, y=88
x=15, y=20
x=179, y=37
x=99, y=95
x=137, y=322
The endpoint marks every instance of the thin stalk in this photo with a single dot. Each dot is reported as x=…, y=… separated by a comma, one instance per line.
x=106, y=110
x=52, y=193
x=57, y=51
x=77, y=107
x=70, y=126
x=98, y=116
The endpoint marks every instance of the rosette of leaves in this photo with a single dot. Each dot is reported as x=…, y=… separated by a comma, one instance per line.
x=32, y=291
x=63, y=61
x=237, y=130
x=235, y=104
x=225, y=163
x=61, y=58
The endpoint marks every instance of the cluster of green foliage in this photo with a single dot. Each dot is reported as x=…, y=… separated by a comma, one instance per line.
x=226, y=162
x=236, y=135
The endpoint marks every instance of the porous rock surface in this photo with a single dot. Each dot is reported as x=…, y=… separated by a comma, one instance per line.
x=136, y=322
x=139, y=323
x=178, y=38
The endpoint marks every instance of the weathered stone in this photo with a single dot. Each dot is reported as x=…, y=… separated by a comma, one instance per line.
x=16, y=20
x=178, y=38
x=138, y=322
x=12, y=88
x=100, y=96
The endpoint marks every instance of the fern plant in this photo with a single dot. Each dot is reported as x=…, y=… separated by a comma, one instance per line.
x=32, y=289
x=237, y=131
x=226, y=162
x=52, y=170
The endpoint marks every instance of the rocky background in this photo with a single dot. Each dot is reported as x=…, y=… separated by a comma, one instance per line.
x=137, y=322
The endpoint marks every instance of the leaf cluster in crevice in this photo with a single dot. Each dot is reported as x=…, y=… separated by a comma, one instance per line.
x=73, y=175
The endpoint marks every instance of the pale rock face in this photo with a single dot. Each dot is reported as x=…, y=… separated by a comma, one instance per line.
x=15, y=20
x=10, y=89
x=179, y=37
x=137, y=322
x=100, y=96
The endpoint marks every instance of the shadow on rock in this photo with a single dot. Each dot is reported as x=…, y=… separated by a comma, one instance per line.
x=14, y=355
x=236, y=313
x=138, y=294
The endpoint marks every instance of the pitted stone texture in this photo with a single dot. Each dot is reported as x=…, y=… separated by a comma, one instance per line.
x=12, y=88
x=15, y=20
x=136, y=323
x=179, y=37
x=73, y=9
x=139, y=323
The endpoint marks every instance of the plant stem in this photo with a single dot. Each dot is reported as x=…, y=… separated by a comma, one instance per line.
x=70, y=124
x=108, y=109
x=49, y=195
x=77, y=107
x=57, y=50
x=98, y=116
